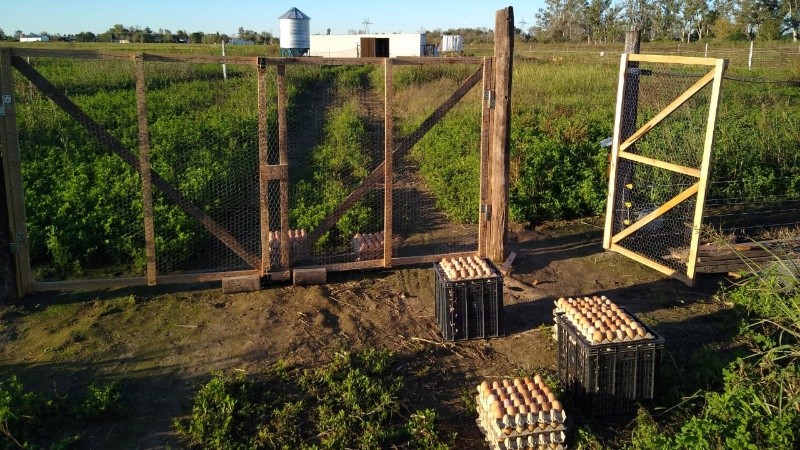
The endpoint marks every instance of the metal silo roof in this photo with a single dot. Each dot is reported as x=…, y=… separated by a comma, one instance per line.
x=294, y=13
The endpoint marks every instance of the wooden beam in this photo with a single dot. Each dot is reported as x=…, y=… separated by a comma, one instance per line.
x=275, y=171
x=617, y=137
x=499, y=154
x=283, y=159
x=652, y=264
x=669, y=109
x=12, y=172
x=115, y=146
x=388, y=158
x=690, y=171
x=399, y=61
x=705, y=167
x=144, y=164
x=113, y=283
x=669, y=59
x=661, y=210
x=487, y=125
x=404, y=146
x=263, y=171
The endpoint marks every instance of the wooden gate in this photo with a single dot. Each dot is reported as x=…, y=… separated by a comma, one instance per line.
x=251, y=250
x=657, y=190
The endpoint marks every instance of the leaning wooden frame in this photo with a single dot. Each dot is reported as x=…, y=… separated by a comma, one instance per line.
x=260, y=264
x=624, y=140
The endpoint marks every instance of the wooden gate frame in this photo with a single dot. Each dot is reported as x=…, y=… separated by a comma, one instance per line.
x=494, y=72
x=618, y=150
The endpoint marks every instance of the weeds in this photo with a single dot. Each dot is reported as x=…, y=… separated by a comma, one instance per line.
x=353, y=401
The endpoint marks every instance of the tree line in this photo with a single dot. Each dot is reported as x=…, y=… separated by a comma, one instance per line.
x=138, y=34
x=596, y=21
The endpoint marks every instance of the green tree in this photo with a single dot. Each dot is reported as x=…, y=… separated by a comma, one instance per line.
x=196, y=37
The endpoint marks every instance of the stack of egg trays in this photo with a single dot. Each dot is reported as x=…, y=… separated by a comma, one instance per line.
x=298, y=247
x=469, y=309
x=548, y=432
x=607, y=379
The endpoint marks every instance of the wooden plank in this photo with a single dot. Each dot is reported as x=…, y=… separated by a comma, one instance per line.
x=705, y=167
x=356, y=265
x=12, y=171
x=505, y=269
x=415, y=260
x=612, y=176
x=670, y=59
x=113, y=283
x=202, y=59
x=658, y=212
x=27, y=52
x=263, y=170
x=403, y=146
x=307, y=277
x=388, y=158
x=46, y=88
x=275, y=171
x=243, y=283
x=399, y=61
x=746, y=265
x=487, y=124
x=690, y=171
x=8, y=272
x=669, y=109
x=144, y=164
x=283, y=159
x=650, y=263
x=282, y=275
x=499, y=153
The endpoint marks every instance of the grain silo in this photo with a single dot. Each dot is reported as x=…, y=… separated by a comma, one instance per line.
x=295, y=33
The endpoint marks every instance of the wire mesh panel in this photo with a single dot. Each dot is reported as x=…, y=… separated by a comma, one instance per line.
x=203, y=131
x=83, y=196
x=662, y=146
x=436, y=185
x=335, y=138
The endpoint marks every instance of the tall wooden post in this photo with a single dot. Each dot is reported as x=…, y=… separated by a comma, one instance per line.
x=388, y=167
x=14, y=203
x=283, y=159
x=487, y=128
x=144, y=171
x=8, y=281
x=501, y=136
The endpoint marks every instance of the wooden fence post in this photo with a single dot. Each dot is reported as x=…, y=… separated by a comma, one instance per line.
x=144, y=166
x=501, y=135
x=14, y=203
x=8, y=280
x=388, y=158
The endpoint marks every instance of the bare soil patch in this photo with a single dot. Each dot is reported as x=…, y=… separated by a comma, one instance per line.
x=162, y=343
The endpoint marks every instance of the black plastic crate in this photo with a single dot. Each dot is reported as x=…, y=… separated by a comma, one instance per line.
x=469, y=309
x=607, y=380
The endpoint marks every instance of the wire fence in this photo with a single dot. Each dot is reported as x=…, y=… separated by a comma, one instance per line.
x=210, y=142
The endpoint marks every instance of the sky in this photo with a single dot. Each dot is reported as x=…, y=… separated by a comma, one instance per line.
x=406, y=16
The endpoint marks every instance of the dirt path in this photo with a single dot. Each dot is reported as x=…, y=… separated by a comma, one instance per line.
x=162, y=343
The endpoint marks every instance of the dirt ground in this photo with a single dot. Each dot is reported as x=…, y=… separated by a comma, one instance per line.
x=162, y=343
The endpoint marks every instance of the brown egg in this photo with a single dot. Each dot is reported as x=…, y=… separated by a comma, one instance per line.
x=640, y=332
x=497, y=413
x=534, y=408
x=537, y=379
x=634, y=325
x=546, y=407
x=612, y=327
x=620, y=334
x=557, y=407
x=597, y=336
x=540, y=399
x=506, y=383
x=610, y=335
x=598, y=323
x=516, y=402
x=551, y=396
x=508, y=402
x=491, y=399
x=630, y=333
x=522, y=409
x=510, y=390
x=503, y=396
x=511, y=411
x=517, y=382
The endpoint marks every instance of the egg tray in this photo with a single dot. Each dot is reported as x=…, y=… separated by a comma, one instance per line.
x=540, y=425
x=608, y=379
x=469, y=309
x=605, y=340
x=541, y=441
x=298, y=246
x=368, y=246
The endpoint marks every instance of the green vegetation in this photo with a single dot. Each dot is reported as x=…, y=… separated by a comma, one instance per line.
x=354, y=401
x=35, y=421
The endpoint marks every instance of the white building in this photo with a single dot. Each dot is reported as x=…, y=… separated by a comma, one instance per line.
x=33, y=38
x=367, y=45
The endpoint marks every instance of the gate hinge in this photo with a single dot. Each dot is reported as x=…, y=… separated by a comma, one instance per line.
x=486, y=211
x=488, y=96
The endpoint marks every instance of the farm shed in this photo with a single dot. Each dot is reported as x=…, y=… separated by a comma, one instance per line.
x=34, y=38
x=367, y=45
